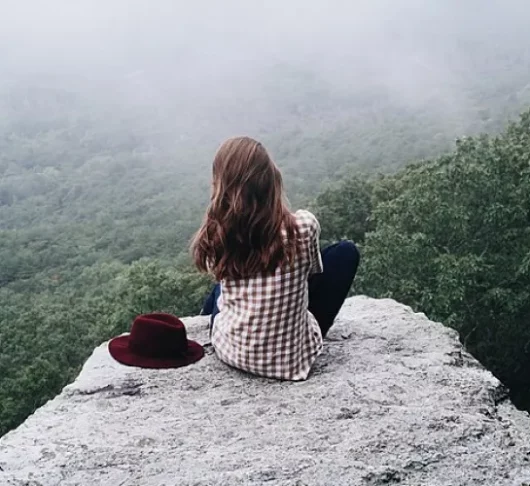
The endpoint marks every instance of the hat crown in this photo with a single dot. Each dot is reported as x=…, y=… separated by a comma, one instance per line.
x=158, y=336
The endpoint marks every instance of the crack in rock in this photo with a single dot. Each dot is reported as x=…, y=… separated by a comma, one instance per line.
x=127, y=389
x=389, y=476
x=348, y=413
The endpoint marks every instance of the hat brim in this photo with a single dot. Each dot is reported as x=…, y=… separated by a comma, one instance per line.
x=119, y=350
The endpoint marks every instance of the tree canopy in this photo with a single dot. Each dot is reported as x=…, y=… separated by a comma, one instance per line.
x=451, y=237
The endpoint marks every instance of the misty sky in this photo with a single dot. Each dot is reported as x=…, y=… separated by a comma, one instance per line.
x=417, y=51
x=47, y=34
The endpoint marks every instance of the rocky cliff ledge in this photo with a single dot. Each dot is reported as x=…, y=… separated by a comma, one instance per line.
x=393, y=400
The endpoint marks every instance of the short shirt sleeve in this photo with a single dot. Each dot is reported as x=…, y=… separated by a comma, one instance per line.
x=314, y=249
x=310, y=229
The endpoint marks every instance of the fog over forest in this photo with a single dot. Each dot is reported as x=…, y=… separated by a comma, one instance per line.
x=208, y=69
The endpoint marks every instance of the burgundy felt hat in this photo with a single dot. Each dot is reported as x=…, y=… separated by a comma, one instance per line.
x=156, y=341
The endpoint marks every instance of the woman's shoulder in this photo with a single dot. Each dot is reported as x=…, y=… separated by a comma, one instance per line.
x=306, y=221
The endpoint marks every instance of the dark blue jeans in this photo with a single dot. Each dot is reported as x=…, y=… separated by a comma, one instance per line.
x=327, y=290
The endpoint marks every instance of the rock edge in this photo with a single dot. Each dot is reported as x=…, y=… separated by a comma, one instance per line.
x=394, y=399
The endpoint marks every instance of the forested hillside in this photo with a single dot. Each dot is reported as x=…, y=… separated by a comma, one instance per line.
x=451, y=237
x=106, y=145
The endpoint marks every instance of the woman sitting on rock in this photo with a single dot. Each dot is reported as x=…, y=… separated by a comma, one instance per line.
x=277, y=295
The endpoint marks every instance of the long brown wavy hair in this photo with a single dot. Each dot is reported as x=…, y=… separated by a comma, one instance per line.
x=248, y=228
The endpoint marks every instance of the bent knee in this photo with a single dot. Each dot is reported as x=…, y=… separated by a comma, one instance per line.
x=350, y=251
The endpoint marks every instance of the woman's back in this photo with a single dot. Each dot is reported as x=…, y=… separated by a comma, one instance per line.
x=263, y=326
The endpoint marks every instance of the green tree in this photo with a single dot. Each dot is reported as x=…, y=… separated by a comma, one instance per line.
x=452, y=239
x=344, y=210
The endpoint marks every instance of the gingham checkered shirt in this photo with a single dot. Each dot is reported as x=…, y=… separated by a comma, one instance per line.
x=263, y=325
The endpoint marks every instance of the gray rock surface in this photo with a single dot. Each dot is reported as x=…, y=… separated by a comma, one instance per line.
x=393, y=400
